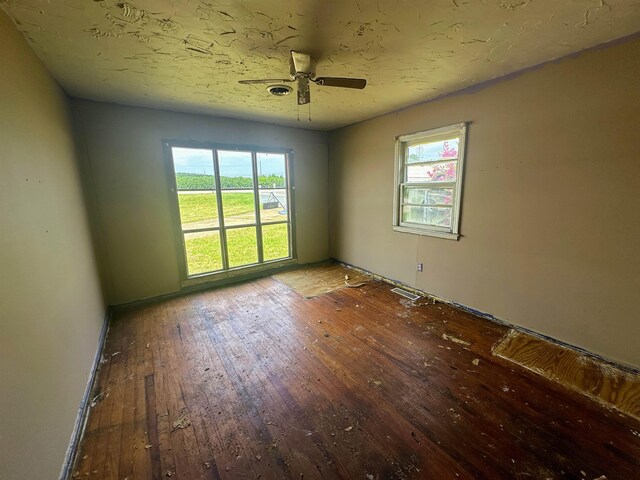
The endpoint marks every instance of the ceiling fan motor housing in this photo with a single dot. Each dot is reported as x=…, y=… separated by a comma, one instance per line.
x=302, y=65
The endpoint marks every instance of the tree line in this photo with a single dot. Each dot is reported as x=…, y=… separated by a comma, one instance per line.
x=199, y=181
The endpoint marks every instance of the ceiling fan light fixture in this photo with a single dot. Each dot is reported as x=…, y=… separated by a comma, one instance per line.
x=279, y=90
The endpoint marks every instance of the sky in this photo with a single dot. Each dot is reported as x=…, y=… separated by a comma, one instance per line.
x=232, y=164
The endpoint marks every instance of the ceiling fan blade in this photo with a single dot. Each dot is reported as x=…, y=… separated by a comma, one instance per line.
x=304, y=93
x=359, y=83
x=266, y=80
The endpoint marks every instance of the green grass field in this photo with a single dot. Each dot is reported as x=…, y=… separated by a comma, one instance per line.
x=203, y=249
x=198, y=207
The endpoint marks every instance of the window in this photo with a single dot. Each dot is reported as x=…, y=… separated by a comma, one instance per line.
x=428, y=181
x=232, y=207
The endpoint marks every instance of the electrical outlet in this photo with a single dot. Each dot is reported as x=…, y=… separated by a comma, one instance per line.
x=420, y=266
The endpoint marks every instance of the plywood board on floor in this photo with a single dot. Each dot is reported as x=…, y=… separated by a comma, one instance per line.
x=318, y=280
x=575, y=370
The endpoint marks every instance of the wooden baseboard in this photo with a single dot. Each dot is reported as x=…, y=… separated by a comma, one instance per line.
x=83, y=410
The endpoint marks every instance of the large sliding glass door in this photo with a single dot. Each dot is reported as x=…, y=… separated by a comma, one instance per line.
x=233, y=206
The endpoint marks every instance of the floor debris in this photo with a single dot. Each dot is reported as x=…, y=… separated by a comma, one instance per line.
x=476, y=361
x=406, y=303
x=348, y=429
x=98, y=398
x=455, y=339
x=182, y=422
x=352, y=285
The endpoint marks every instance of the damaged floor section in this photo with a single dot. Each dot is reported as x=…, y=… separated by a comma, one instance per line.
x=318, y=280
x=602, y=382
x=251, y=381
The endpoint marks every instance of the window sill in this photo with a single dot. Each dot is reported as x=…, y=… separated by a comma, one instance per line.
x=428, y=233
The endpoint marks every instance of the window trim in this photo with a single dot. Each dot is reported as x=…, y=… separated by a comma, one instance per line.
x=402, y=142
x=187, y=280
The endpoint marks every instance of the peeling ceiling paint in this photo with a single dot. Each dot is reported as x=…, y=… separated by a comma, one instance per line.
x=189, y=55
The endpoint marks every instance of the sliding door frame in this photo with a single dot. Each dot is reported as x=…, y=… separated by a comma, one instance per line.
x=226, y=272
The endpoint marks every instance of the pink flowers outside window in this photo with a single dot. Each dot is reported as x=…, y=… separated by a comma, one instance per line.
x=445, y=172
x=448, y=151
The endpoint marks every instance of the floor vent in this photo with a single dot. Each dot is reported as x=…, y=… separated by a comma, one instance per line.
x=405, y=294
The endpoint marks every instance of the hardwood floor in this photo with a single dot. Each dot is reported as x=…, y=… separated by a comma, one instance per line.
x=254, y=381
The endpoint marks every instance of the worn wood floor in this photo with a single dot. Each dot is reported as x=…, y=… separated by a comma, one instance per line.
x=253, y=381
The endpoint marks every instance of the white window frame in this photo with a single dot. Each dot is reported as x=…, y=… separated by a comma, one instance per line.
x=403, y=142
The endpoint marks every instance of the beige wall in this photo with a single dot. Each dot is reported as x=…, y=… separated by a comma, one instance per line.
x=551, y=205
x=51, y=308
x=132, y=200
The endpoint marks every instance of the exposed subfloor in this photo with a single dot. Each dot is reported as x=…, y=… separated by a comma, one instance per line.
x=254, y=381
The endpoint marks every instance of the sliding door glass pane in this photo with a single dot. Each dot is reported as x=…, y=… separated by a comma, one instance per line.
x=194, y=168
x=242, y=246
x=438, y=216
x=272, y=182
x=195, y=181
x=273, y=205
x=236, y=183
x=239, y=207
x=272, y=172
x=203, y=251
x=275, y=241
x=198, y=210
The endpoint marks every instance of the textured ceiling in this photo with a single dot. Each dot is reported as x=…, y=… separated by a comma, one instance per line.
x=189, y=55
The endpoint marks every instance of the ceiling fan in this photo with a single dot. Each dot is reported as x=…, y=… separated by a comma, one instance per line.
x=302, y=70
